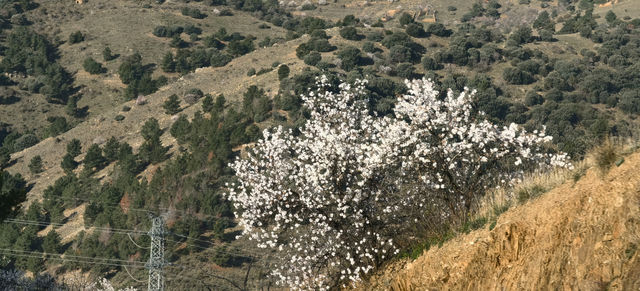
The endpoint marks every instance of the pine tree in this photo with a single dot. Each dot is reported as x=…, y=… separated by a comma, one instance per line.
x=151, y=150
x=207, y=103
x=35, y=165
x=219, y=105
x=74, y=148
x=111, y=149
x=610, y=17
x=72, y=107
x=172, y=105
x=94, y=158
x=68, y=164
x=51, y=242
x=168, y=64
x=107, y=55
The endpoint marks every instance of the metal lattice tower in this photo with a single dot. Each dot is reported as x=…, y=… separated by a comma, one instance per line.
x=156, y=259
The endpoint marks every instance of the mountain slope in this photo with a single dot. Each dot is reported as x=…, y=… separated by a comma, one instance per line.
x=230, y=80
x=579, y=236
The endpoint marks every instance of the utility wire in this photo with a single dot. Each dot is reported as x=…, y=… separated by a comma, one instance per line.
x=251, y=251
x=72, y=258
x=117, y=205
x=246, y=252
x=134, y=242
x=134, y=279
x=240, y=255
x=44, y=223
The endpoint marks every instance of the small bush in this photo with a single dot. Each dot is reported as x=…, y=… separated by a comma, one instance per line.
x=172, y=105
x=92, y=67
x=119, y=117
x=350, y=33
x=605, y=155
x=76, y=37
x=525, y=194
x=283, y=72
x=193, y=12
x=473, y=224
x=35, y=165
x=312, y=58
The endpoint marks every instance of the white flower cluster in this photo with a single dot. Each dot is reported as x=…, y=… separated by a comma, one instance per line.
x=331, y=199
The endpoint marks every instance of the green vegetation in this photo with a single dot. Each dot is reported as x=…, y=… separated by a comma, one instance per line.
x=580, y=81
x=35, y=165
x=76, y=37
x=172, y=105
x=92, y=67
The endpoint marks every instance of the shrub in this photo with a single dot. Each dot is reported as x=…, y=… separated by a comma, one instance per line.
x=312, y=58
x=35, y=165
x=219, y=59
x=350, y=33
x=74, y=148
x=172, y=105
x=405, y=19
x=438, y=29
x=331, y=198
x=168, y=64
x=429, y=64
x=193, y=12
x=68, y=163
x=107, y=55
x=93, y=159
x=76, y=37
x=283, y=72
x=415, y=30
x=92, y=67
x=369, y=47
x=400, y=54
x=24, y=142
x=350, y=57
x=605, y=155
x=405, y=71
x=517, y=77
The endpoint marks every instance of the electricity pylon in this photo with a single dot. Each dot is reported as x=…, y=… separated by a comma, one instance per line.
x=156, y=259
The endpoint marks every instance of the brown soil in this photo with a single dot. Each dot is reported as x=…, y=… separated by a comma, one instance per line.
x=579, y=236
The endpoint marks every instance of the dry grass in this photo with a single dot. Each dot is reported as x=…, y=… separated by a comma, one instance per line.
x=605, y=156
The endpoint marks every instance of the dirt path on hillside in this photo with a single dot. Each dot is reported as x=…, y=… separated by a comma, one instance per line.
x=582, y=236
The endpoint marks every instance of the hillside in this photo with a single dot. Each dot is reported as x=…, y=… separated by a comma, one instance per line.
x=112, y=111
x=581, y=235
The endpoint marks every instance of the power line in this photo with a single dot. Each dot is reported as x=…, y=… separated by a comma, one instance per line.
x=134, y=242
x=117, y=205
x=212, y=244
x=128, y=232
x=240, y=255
x=72, y=258
x=132, y=278
x=44, y=223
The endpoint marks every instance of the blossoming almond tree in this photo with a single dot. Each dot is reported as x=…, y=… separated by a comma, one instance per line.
x=331, y=199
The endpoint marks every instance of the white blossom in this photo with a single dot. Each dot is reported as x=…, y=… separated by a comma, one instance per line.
x=331, y=199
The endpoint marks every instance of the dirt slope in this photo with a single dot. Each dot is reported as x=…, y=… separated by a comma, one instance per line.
x=579, y=236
